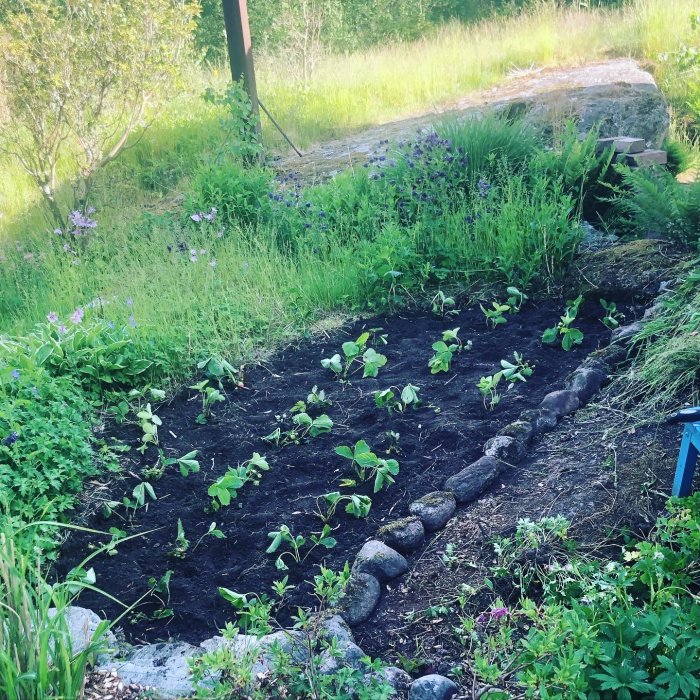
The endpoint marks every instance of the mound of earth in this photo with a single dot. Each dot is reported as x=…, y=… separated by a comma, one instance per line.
x=631, y=271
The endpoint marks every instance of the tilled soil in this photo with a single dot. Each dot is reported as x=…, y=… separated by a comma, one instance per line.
x=438, y=439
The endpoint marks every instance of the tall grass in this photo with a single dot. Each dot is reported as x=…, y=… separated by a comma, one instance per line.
x=350, y=92
x=37, y=659
x=258, y=293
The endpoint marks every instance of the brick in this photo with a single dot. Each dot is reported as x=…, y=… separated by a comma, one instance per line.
x=649, y=157
x=622, y=144
x=627, y=144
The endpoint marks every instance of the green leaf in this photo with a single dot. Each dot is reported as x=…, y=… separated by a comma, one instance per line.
x=550, y=335
x=344, y=451
x=277, y=538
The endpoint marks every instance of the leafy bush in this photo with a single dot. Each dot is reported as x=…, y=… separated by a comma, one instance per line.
x=45, y=442
x=651, y=202
x=51, y=382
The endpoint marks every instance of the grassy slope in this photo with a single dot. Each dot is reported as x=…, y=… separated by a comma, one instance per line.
x=257, y=295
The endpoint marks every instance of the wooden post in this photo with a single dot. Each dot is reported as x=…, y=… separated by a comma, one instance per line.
x=240, y=51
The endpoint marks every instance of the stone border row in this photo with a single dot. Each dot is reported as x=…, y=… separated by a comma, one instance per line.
x=382, y=559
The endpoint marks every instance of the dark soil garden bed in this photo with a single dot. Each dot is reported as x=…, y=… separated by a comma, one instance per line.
x=446, y=433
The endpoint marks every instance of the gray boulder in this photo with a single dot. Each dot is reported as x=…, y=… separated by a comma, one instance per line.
x=335, y=628
x=624, y=333
x=474, y=479
x=432, y=687
x=382, y=562
x=434, y=509
x=521, y=430
x=618, y=97
x=505, y=448
x=585, y=383
x=396, y=677
x=561, y=403
x=257, y=650
x=359, y=599
x=542, y=419
x=82, y=624
x=162, y=667
x=404, y=535
x=343, y=654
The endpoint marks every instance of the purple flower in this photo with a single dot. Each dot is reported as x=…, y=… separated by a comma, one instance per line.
x=495, y=614
x=15, y=374
x=132, y=321
x=111, y=325
x=196, y=217
x=35, y=391
x=77, y=316
x=483, y=187
x=81, y=221
x=52, y=317
x=11, y=439
x=62, y=329
x=129, y=302
x=58, y=231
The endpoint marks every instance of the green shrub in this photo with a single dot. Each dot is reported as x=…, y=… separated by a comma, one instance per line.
x=45, y=442
x=52, y=382
x=240, y=195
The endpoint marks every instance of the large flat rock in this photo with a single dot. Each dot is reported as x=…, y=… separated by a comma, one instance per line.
x=618, y=94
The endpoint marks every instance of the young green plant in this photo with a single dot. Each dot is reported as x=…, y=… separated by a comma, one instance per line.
x=355, y=351
x=511, y=372
x=570, y=336
x=304, y=425
x=612, y=316
x=357, y=505
x=210, y=396
x=387, y=398
x=368, y=465
x=226, y=487
x=284, y=536
x=446, y=349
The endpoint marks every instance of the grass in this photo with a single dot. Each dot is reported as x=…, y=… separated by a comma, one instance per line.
x=37, y=659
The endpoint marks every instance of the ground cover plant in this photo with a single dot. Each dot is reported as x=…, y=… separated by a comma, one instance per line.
x=623, y=628
x=350, y=476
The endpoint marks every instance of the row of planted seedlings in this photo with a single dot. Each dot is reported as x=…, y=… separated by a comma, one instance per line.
x=308, y=421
